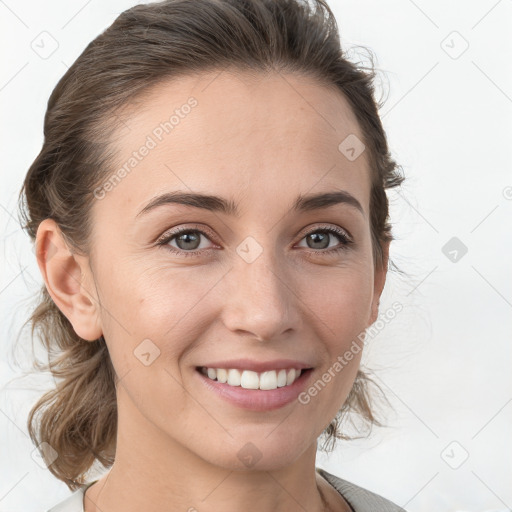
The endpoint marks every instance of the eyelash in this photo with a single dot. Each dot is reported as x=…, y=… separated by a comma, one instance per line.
x=345, y=241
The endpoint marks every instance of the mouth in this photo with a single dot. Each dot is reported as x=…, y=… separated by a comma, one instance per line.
x=248, y=379
x=255, y=391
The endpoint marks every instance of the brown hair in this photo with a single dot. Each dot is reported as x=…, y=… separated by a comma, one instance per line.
x=145, y=45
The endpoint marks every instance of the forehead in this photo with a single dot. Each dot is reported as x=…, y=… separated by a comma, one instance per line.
x=238, y=135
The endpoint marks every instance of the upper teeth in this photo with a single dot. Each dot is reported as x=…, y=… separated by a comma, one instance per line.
x=252, y=380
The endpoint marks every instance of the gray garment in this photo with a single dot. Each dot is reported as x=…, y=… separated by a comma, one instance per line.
x=361, y=500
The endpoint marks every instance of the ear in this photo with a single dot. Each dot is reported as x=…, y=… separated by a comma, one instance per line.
x=68, y=279
x=379, y=282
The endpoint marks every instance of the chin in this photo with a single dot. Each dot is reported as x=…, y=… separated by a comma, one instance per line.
x=266, y=450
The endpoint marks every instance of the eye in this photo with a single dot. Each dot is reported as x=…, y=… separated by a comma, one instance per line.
x=188, y=241
x=320, y=237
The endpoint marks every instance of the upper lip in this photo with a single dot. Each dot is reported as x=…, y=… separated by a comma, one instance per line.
x=258, y=366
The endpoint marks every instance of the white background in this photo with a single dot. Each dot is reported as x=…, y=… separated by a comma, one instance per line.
x=445, y=360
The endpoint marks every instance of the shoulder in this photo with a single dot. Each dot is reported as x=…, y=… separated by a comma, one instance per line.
x=360, y=499
x=73, y=503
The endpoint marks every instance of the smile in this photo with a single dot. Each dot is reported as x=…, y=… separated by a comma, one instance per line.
x=248, y=379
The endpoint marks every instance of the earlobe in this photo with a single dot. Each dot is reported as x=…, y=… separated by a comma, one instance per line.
x=65, y=276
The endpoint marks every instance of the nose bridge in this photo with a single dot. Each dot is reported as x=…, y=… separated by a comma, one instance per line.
x=260, y=298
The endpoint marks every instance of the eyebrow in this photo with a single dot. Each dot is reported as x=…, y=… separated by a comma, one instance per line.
x=303, y=203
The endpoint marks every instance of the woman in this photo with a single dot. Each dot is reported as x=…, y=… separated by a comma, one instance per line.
x=203, y=376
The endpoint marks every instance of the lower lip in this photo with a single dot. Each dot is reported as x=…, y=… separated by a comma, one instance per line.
x=257, y=399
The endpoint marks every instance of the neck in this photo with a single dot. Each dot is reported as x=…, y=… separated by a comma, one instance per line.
x=153, y=471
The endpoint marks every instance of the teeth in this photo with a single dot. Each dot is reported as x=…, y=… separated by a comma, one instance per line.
x=234, y=377
x=222, y=375
x=248, y=379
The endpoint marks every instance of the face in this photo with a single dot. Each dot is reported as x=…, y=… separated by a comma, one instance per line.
x=268, y=282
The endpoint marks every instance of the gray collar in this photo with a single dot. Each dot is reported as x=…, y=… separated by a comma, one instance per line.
x=360, y=499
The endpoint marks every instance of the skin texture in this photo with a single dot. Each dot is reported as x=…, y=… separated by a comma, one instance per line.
x=259, y=141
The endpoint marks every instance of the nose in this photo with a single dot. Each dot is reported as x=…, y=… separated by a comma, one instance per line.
x=261, y=300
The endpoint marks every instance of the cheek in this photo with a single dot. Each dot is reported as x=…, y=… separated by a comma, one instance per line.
x=342, y=308
x=338, y=306
x=147, y=321
x=341, y=299
x=156, y=300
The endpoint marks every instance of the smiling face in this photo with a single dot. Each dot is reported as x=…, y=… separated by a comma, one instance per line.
x=253, y=277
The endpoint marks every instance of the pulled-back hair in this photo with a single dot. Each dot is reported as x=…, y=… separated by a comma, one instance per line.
x=145, y=45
